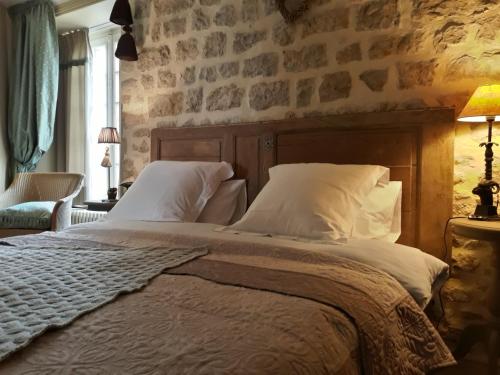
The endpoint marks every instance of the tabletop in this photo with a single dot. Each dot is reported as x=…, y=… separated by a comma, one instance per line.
x=481, y=230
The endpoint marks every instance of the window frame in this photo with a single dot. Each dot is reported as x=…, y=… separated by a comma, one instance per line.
x=109, y=37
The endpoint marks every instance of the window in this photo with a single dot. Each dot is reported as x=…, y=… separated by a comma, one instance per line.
x=104, y=100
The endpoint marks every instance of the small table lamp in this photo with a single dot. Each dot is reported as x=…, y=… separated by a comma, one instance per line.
x=109, y=135
x=484, y=106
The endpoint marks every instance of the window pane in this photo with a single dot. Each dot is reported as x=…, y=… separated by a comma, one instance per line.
x=99, y=86
x=116, y=62
x=105, y=111
x=116, y=92
x=117, y=116
x=97, y=176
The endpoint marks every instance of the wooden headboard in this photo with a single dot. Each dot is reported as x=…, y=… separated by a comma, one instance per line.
x=417, y=146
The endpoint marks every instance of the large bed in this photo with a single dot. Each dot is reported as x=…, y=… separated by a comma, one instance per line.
x=243, y=304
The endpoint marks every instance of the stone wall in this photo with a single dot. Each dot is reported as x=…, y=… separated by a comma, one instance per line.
x=218, y=61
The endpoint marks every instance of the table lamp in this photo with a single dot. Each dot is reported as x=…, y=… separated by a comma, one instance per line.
x=484, y=106
x=109, y=135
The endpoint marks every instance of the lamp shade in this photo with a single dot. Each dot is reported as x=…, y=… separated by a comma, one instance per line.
x=125, y=49
x=484, y=104
x=121, y=13
x=108, y=135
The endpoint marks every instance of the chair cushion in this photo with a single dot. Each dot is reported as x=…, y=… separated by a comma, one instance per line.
x=28, y=215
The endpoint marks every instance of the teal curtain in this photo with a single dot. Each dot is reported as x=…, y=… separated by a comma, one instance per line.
x=33, y=82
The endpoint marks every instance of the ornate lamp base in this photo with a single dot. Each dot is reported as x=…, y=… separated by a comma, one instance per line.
x=486, y=210
x=487, y=187
x=485, y=213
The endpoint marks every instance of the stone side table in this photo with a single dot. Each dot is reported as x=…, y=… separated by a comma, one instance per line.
x=490, y=332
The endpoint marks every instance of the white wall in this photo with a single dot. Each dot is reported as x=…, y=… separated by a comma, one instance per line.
x=48, y=162
x=3, y=95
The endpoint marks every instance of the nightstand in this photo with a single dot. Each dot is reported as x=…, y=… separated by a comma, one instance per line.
x=489, y=333
x=100, y=205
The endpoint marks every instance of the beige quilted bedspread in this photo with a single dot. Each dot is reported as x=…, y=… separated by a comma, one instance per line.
x=247, y=309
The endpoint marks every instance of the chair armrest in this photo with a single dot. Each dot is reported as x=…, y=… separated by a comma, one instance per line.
x=61, y=215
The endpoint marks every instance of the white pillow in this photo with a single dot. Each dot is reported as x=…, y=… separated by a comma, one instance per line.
x=311, y=201
x=380, y=214
x=171, y=191
x=420, y=274
x=227, y=205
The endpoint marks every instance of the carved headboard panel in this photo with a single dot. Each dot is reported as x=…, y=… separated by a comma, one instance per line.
x=416, y=145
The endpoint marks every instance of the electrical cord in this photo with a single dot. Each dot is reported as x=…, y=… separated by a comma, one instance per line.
x=446, y=253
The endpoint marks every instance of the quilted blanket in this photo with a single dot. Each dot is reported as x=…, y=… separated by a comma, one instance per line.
x=48, y=282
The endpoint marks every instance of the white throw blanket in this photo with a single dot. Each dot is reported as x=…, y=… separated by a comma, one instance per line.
x=48, y=282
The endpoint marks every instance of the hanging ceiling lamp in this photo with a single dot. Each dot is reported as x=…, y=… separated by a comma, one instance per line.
x=125, y=49
x=121, y=13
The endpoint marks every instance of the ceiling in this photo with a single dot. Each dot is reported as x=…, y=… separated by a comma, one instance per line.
x=8, y=3
x=90, y=16
x=89, y=13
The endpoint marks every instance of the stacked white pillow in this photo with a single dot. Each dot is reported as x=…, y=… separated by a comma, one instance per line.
x=171, y=191
x=227, y=205
x=311, y=201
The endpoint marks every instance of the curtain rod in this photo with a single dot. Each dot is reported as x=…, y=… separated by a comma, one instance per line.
x=72, y=5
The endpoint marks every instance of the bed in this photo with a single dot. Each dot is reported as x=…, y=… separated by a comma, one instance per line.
x=245, y=304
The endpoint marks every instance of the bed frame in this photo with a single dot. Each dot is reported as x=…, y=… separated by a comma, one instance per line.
x=417, y=146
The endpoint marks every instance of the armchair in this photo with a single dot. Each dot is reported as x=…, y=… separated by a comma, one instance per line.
x=58, y=189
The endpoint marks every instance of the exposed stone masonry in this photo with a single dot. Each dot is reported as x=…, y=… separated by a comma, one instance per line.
x=218, y=61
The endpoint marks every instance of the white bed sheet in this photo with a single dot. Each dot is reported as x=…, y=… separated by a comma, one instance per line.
x=419, y=273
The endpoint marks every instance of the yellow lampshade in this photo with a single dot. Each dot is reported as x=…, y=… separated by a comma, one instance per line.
x=483, y=104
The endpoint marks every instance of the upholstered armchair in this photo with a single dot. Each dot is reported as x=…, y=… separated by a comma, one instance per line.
x=37, y=202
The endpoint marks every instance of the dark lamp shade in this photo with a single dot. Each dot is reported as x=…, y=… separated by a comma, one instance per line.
x=121, y=13
x=126, y=50
x=108, y=135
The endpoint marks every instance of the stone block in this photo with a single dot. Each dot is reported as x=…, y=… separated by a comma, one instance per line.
x=187, y=49
x=375, y=79
x=200, y=20
x=305, y=91
x=309, y=57
x=226, y=16
x=335, y=86
x=265, y=95
x=265, y=65
x=189, y=75
x=326, y=22
x=225, y=98
x=174, y=27
x=244, y=41
x=172, y=6
x=350, y=53
x=166, y=105
x=194, y=100
x=151, y=58
x=284, y=33
x=166, y=79
x=215, y=45
x=249, y=10
x=378, y=14
x=147, y=81
x=208, y=73
x=229, y=69
x=412, y=74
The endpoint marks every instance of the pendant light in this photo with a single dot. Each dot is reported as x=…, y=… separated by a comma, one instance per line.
x=121, y=13
x=126, y=49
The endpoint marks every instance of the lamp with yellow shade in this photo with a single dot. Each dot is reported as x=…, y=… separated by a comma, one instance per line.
x=484, y=106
